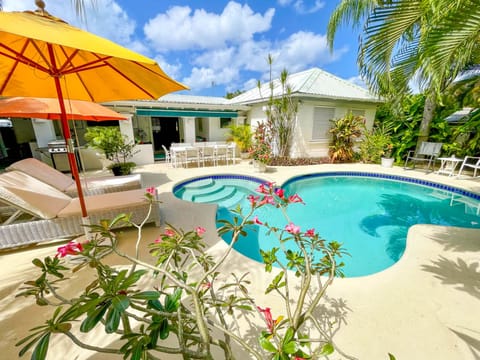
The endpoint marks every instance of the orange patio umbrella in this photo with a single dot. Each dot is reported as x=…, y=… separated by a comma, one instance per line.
x=43, y=56
x=49, y=108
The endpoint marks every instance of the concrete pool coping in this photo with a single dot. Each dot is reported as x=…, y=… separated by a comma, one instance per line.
x=424, y=307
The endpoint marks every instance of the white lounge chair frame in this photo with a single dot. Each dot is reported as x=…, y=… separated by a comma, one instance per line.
x=428, y=152
x=471, y=162
x=64, y=183
x=66, y=222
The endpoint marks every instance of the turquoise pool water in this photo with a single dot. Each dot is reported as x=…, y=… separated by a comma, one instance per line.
x=370, y=215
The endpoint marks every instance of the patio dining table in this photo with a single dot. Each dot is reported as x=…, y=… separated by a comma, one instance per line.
x=199, y=153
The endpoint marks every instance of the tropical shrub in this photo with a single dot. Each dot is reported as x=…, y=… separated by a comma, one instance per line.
x=241, y=135
x=376, y=143
x=185, y=294
x=344, y=132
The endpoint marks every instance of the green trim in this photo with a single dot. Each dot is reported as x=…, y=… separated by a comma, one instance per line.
x=186, y=113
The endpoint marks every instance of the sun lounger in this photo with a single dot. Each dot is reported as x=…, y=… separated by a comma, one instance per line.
x=55, y=215
x=428, y=152
x=470, y=162
x=64, y=183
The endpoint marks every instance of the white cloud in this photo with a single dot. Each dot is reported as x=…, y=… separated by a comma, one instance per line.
x=106, y=19
x=357, y=80
x=301, y=8
x=180, y=28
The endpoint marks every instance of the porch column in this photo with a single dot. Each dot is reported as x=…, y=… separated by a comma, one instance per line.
x=189, y=129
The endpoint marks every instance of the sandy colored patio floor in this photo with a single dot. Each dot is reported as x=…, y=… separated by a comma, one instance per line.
x=426, y=306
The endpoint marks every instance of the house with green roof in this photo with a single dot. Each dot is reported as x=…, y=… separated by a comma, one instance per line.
x=321, y=97
x=174, y=118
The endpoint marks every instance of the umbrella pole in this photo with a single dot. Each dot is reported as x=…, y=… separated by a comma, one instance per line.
x=69, y=143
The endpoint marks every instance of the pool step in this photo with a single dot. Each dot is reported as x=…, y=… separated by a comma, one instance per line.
x=199, y=184
x=206, y=189
x=216, y=196
x=234, y=200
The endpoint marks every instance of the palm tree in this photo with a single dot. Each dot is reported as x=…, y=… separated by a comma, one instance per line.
x=427, y=41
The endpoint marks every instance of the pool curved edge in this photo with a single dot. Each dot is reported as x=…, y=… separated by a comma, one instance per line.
x=377, y=175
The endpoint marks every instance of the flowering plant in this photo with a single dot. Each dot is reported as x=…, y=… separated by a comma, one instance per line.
x=189, y=296
x=261, y=150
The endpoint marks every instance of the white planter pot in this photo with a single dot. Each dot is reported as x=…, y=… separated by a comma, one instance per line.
x=387, y=162
x=259, y=166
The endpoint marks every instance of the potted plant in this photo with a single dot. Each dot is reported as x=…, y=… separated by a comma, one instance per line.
x=242, y=136
x=260, y=150
x=115, y=146
x=377, y=146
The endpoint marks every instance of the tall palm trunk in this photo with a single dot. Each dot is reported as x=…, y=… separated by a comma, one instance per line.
x=428, y=111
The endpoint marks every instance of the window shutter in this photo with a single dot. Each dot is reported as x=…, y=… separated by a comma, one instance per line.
x=321, y=122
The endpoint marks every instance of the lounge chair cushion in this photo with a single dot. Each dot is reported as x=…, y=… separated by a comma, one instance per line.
x=106, y=184
x=44, y=173
x=111, y=201
x=31, y=195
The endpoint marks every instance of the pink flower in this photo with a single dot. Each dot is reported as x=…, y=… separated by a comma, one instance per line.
x=263, y=189
x=256, y=221
x=169, y=233
x=267, y=314
x=295, y=199
x=158, y=240
x=200, y=230
x=292, y=228
x=206, y=285
x=310, y=233
x=253, y=199
x=267, y=199
x=151, y=190
x=72, y=248
x=280, y=193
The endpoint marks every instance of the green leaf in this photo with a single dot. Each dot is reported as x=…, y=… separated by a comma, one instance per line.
x=290, y=348
x=146, y=295
x=164, y=329
x=267, y=345
x=121, y=303
x=40, y=351
x=112, y=320
x=93, y=318
x=391, y=357
x=327, y=349
x=288, y=336
x=38, y=263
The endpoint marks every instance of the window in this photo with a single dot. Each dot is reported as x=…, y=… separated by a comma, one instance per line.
x=321, y=122
x=225, y=122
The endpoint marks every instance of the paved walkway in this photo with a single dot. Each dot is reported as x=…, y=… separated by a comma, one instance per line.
x=426, y=306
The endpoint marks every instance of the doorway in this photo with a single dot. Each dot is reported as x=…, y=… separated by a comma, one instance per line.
x=165, y=131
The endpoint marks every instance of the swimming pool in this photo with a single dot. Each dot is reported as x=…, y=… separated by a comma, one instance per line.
x=369, y=214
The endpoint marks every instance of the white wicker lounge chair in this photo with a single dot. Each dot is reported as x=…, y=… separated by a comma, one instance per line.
x=55, y=215
x=428, y=152
x=64, y=183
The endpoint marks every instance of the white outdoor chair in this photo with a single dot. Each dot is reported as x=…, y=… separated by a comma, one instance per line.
x=470, y=162
x=168, y=158
x=427, y=152
x=220, y=153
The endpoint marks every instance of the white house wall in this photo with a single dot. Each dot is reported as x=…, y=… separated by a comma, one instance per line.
x=303, y=145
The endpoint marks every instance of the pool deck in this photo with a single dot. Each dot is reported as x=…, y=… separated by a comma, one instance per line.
x=426, y=306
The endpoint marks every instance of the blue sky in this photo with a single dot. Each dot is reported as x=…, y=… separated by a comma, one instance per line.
x=216, y=46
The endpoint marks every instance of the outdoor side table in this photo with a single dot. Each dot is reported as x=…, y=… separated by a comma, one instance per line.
x=448, y=165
